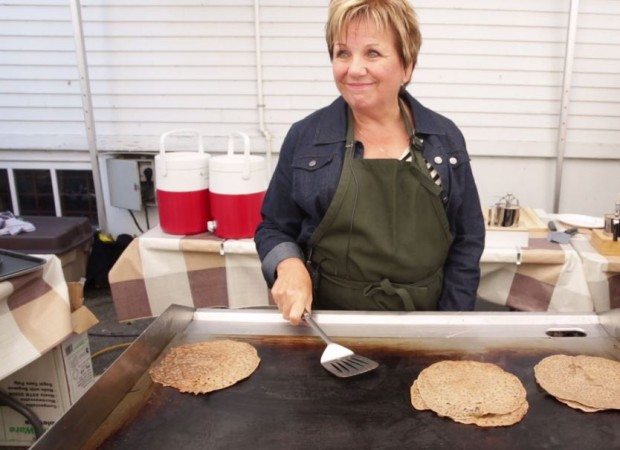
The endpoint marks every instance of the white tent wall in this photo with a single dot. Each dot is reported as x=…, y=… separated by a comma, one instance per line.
x=496, y=68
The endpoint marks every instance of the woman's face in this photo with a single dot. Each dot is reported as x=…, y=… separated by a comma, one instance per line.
x=367, y=67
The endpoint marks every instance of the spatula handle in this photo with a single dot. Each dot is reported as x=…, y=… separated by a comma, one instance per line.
x=310, y=321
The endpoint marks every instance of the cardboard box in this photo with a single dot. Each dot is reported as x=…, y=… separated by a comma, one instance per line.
x=52, y=383
x=81, y=317
x=48, y=386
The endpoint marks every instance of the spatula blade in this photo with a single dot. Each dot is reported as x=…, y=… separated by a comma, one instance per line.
x=350, y=366
x=338, y=359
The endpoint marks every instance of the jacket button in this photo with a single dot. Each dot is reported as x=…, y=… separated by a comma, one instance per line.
x=312, y=163
x=438, y=160
x=453, y=160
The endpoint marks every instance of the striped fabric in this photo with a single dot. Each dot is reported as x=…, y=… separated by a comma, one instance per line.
x=434, y=175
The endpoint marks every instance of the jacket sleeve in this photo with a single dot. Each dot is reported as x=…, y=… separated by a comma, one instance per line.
x=276, y=235
x=462, y=267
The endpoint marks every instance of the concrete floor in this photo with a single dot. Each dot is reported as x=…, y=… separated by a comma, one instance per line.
x=105, y=337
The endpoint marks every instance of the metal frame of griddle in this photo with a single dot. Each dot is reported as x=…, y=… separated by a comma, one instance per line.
x=179, y=324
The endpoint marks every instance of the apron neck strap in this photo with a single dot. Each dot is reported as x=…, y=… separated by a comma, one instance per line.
x=414, y=142
x=408, y=122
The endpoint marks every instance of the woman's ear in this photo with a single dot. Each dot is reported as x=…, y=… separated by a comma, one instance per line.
x=407, y=74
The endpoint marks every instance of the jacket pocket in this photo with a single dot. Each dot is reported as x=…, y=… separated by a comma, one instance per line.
x=312, y=163
x=314, y=182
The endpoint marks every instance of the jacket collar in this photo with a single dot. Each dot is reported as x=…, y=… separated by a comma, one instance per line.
x=332, y=125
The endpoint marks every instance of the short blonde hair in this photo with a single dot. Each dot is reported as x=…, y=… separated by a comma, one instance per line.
x=397, y=15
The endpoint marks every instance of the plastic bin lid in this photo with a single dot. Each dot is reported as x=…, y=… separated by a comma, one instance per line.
x=53, y=235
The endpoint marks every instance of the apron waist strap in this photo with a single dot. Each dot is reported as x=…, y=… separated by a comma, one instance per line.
x=405, y=292
x=388, y=288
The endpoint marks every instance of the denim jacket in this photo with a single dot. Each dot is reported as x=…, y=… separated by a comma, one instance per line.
x=307, y=175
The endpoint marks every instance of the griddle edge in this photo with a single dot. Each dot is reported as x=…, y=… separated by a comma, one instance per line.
x=85, y=416
x=181, y=324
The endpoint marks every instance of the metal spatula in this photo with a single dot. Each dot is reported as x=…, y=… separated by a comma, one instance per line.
x=560, y=237
x=339, y=360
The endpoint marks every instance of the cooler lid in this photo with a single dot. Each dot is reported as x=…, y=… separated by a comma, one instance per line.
x=183, y=161
x=236, y=163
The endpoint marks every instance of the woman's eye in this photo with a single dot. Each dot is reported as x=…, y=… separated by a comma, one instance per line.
x=342, y=54
x=373, y=53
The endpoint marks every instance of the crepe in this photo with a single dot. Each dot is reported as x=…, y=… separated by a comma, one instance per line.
x=588, y=383
x=206, y=366
x=470, y=392
x=416, y=399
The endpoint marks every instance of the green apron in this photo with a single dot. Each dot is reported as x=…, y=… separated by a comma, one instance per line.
x=385, y=237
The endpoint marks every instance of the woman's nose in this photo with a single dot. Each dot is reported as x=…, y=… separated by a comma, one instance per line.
x=357, y=66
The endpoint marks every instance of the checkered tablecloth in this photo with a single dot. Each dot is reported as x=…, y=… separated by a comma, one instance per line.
x=158, y=270
x=602, y=274
x=545, y=276
x=35, y=315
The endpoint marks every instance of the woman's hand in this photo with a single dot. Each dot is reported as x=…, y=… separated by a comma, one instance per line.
x=292, y=290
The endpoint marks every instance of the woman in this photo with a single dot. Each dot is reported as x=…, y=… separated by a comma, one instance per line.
x=372, y=205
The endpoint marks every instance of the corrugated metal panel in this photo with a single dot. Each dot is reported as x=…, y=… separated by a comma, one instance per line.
x=40, y=104
x=594, y=112
x=496, y=61
x=494, y=67
x=160, y=66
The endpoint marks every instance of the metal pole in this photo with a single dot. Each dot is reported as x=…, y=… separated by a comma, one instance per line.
x=565, y=101
x=259, y=86
x=87, y=107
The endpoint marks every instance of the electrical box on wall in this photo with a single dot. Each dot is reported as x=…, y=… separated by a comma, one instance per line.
x=132, y=182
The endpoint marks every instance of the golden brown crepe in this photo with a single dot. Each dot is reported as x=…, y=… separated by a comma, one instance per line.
x=588, y=383
x=470, y=392
x=206, y=366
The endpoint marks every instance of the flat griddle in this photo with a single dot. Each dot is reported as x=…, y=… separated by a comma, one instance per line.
x=292, y=402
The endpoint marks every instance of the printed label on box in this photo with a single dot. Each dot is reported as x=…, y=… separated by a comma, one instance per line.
x=48, y=386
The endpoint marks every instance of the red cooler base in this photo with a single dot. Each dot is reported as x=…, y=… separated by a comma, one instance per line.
x=183, y=212
x=236, y=216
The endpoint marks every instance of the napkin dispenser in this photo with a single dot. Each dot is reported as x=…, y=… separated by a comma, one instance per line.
x=612, y=221
x=505, y=213
x=606, y=241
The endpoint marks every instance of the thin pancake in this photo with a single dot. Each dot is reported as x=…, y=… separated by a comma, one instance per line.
x=470, y=388
x=206, y=366
x=496, y=420
x=590, y=381
x=470, y=392
x=416, y=399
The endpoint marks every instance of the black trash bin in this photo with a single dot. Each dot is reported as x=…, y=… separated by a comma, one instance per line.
x=69, y=238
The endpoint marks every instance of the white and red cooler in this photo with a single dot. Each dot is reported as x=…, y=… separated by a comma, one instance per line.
x=237, y=185
x=182, y=184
